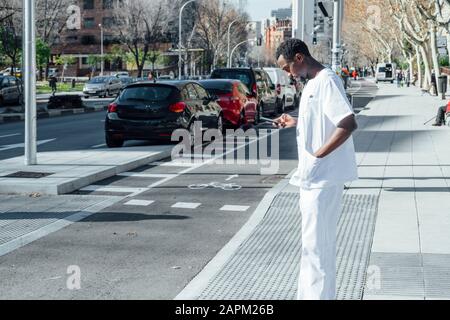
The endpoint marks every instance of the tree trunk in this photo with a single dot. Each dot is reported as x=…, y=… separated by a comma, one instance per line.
x=434, y=53
x=411, y=62
x=427, y=76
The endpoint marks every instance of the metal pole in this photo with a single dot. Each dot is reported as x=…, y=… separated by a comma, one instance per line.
x=102, y=65
x=229, y=42
x=234, y=49
x=29, y=72
x=336, y=34
x=303, y=19
x=179, y=36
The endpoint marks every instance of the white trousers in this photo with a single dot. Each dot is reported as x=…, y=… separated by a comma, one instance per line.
x=320, y=210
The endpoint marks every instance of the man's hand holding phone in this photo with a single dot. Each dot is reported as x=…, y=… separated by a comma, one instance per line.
x=285, y=121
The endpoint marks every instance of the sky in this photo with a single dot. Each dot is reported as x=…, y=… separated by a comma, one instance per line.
x=260, y=9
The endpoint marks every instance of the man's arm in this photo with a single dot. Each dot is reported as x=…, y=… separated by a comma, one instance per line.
x=344, y=130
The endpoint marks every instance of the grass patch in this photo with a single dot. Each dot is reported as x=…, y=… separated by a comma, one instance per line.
x=43, y=87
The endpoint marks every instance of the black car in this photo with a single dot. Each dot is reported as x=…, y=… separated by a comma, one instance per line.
x=260, y=85
x=10, y=90
x=152, y=111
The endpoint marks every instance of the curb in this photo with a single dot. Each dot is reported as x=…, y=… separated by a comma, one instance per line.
x=15, y=117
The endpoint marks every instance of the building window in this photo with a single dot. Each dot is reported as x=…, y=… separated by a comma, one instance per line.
x=108, y=4
x=89, y=23
x=88, y=4
x=88, y=40
x=71, y=39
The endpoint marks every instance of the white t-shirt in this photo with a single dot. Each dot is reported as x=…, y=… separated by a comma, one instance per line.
x=322, y=107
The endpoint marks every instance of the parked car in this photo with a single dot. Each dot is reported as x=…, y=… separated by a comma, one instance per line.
x=127, y=80
x=10, y=90
x=385, y=72
x=286, y=91
x=52, y=72
x=165, y=77
x=102, y=87
x=153, y=111
x=122, y=74
x=259, y=83
x=7, y=72
x=238, y=105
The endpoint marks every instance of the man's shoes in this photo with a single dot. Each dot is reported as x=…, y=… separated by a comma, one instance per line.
x=437, y=124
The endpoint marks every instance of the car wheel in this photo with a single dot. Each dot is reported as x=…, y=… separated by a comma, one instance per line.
x=220, y=125
x=192, y=134
x=259, y=111
x=113, y=142
x=242, y=120
x=282, y=107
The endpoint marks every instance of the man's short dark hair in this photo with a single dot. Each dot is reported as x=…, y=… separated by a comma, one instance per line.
x=289, y=48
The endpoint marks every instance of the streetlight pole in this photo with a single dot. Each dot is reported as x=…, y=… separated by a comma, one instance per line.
x=29, y=71
x=102, y=65
x=237, y=46
x=336, y=34
x=229, y=42
x=179, y=36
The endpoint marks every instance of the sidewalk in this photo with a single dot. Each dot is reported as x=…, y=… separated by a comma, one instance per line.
x=67, y=171
x=393, y=236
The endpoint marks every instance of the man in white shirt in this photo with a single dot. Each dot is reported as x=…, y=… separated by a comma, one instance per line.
x=326, y=161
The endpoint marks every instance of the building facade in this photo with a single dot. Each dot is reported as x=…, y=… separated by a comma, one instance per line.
x=276, y=32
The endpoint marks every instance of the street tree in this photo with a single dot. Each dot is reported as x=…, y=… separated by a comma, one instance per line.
x=141, y=26
x=43, y=53
x=213, y=19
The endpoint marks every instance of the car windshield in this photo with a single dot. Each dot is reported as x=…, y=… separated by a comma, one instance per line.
x=233, y=74
x=98, y=80
x=218, y=87
x=381, y=69
x=153, y=93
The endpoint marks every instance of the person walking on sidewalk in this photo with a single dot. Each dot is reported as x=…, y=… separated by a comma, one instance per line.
x=326, y=161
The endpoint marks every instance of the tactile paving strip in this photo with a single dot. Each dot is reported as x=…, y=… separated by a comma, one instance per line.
x=38, y=213
x=266, y=265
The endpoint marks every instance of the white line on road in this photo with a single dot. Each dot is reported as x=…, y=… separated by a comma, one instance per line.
x=21, y=145
x=141, y=203
x=234, y=208
x=232, y=177
x=11, y=135
x=186, y=205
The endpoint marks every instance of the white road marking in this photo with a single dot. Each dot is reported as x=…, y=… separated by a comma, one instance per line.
x=11, y=135
x=234, y=208
x=21, y=145
x=186, y=205
x=99, y=146
x=142, y=203
x=145, y=175
x=232, y=177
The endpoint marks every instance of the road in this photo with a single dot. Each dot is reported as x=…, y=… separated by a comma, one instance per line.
x=150, y=245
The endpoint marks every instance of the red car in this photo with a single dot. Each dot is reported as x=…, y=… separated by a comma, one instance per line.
x=238, y=104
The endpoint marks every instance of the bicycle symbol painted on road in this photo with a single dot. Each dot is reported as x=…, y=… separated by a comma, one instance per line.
x=223, y=186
